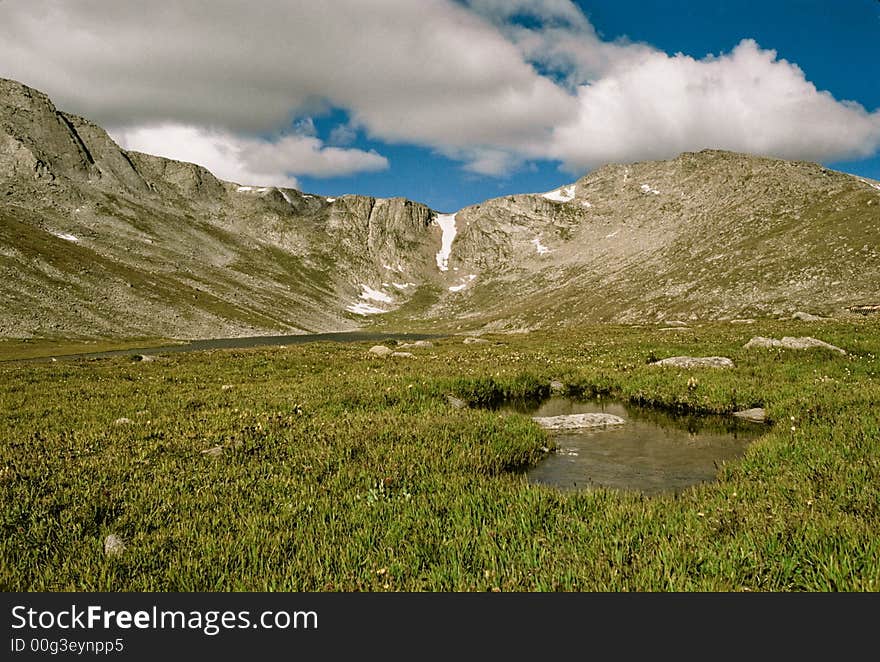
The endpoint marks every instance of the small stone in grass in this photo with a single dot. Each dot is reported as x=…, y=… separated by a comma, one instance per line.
x=113, y=545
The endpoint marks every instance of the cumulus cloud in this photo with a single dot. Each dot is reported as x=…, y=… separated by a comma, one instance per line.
x=561, y=40
x=429, y=72
x=747, y=101
x=249, y=161
x=342, y=134
x=470, y=79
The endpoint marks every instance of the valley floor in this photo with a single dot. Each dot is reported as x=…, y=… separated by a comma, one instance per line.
x=322, y=467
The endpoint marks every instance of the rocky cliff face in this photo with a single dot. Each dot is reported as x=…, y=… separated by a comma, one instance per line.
x=97, y=241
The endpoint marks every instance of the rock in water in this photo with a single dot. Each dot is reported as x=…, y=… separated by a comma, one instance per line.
x=792, y=343
x=577, y=421
x=696, y=362
x=753, y=415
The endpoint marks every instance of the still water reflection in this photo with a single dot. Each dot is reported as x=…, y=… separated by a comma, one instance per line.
x=653, y=452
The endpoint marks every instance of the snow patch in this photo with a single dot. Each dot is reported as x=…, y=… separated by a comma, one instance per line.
x=613, y=234
x=286, y=196
x=647, y=189
x=402, y=286
x=370, y=294
x=362, y=308
x=563, y=194
x=464, y=283
x=539, y=247
x=586, y=204
x=876, y=186
x=330, y=200
x=447, y=225
x=245, y=189
x=66, y=237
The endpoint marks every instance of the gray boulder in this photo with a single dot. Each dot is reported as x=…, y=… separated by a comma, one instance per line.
x=807, y=317
x=753, y=415
x=695, y=362
x=380, y=350
x=418, y=343
x=789, y=342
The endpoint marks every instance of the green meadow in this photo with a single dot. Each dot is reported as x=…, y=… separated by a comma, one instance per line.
x=319, y=467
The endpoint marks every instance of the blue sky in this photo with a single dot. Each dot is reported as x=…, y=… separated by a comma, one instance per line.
x=451, y=102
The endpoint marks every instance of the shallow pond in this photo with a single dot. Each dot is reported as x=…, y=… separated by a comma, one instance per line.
x=652, y=452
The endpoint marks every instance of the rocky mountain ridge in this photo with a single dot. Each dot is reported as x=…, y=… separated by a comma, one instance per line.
x=95, y=240
x=99, y=241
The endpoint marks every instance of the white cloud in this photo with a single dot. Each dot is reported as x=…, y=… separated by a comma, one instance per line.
x=249, y=161
x=484, y=161
x=429, y=72
x=747, y=100
x=564, y=43
x=463, y=78
x=342, y=134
